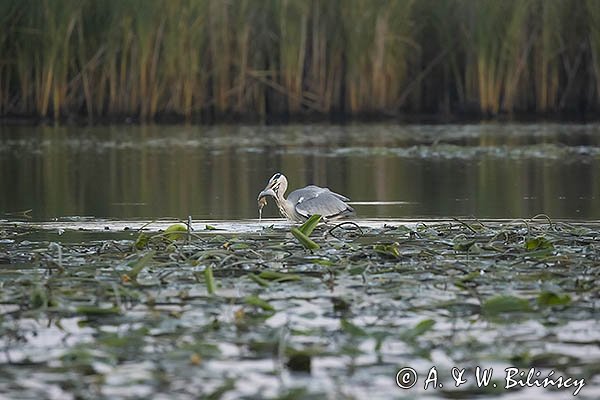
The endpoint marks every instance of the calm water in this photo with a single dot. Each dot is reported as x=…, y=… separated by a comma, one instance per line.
x=487, y=170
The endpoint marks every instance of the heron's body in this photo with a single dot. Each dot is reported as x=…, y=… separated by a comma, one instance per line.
x=302, y=203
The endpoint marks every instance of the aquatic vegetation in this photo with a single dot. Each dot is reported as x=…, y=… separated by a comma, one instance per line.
x=94, y=314
x=303, y=232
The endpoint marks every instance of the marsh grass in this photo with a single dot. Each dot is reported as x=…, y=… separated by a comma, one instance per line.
x=212, y=58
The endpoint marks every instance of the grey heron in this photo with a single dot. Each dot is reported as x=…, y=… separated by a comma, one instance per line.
x=302, y=203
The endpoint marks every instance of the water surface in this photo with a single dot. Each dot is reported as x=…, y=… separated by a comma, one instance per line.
x=95, y=303
x=485, y=170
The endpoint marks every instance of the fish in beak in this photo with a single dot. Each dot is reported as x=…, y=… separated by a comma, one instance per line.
x=267, y=192
x=270, y=190
x=262, y=200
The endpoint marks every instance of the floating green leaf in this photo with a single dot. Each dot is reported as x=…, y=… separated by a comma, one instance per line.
x=140, y=264
x=142, y=241
x=209, y=279
x=463, y=245
x=304, y=240
x=323, y=261
x=391, y=250
x=538, y=243
x=548, y=298
x=352, y=329
x=279, y=276
x=239, y=246
x=97, y=311
x=418, y=330
x=258, y=302
x=258, y=279
x=360, y=269
x=505, y=304
x=176, y=232
x=310, y=224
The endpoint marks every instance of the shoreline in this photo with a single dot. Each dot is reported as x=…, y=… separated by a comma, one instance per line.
x=333, y=119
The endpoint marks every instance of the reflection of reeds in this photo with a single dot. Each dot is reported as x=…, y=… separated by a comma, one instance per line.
x=290, y=57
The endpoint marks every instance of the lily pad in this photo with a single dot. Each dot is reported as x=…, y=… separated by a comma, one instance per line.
x=503, y=304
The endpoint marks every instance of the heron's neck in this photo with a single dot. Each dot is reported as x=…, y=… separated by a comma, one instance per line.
x=286, y=208
x=279, y=197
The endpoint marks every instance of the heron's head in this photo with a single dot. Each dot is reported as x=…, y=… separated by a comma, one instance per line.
x=276, y=187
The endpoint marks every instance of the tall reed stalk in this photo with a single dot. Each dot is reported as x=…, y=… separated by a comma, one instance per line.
x=592, y=9
x=267, y=58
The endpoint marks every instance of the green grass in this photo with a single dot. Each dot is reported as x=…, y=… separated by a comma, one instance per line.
x=296, y=57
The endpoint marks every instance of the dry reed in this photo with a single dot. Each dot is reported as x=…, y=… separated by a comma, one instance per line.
x=261, y=59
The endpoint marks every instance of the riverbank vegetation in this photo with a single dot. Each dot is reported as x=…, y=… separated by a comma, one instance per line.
x=214, y=59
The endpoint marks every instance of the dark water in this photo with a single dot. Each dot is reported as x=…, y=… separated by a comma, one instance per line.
x=487, y=170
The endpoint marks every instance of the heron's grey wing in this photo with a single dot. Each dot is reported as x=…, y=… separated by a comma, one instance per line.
x=339, y=196
x=306, y=192
x=322, y=202
x=312, y=190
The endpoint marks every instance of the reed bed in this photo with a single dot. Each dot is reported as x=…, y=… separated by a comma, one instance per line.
x=261, y=59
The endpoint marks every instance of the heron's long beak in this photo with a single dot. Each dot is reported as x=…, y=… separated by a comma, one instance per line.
x=266, y=192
